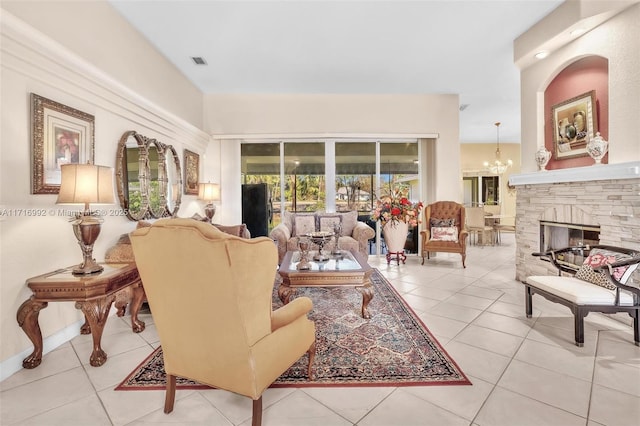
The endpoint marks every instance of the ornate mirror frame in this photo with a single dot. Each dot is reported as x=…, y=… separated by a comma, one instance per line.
x=174, y=180
x=156, y=197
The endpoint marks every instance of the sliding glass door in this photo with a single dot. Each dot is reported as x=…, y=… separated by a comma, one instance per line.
x=332, y=175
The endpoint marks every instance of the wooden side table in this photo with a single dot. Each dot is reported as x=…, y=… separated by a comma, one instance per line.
x=94, y=294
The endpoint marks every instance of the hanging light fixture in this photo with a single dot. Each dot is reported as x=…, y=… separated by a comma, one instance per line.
x=497, y=166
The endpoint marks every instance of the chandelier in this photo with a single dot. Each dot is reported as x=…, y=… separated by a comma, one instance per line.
x=497, y=166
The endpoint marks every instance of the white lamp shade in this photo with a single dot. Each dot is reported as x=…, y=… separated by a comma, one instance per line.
x=86, y=183
x=209, y=192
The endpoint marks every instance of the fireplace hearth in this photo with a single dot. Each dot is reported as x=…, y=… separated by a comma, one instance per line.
x=592, y=205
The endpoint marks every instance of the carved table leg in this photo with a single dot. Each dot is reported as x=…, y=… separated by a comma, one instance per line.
x=285, y=292
x=367, y=295
x=96, y=312
x=123, y=297
x=136, y=301
x=27, y=317
x=86, y=327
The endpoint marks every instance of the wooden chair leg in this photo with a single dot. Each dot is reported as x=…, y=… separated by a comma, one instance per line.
x=170, y=394
x=528, y=302
x=256, y=419
x=579, y=315
x=312, y=356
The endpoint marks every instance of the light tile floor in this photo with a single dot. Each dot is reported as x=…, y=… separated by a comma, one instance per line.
x=524, y=371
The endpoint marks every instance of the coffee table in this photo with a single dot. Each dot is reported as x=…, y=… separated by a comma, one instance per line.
x=349, y=270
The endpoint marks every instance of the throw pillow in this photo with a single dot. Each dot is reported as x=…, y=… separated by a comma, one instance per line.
x=599, y=257
x=349, y=221
x=235, y=230
x=327, y=222
x=303, y=224
x=442, y=222
x=444, y=233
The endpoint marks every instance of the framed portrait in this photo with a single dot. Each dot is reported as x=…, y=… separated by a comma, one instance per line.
x=191, y=172
x=574, y=124
x=60, y=135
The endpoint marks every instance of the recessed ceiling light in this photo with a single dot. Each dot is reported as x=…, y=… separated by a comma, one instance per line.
x=198, y=60
x=542, y=55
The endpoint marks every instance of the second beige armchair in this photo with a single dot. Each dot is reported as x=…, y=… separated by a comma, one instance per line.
x=210, y=294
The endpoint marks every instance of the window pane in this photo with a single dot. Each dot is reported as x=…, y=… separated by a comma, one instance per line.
x=355, y=176
x=261, y=164
x=399, y=168
x=304, y=170
x=490, y=188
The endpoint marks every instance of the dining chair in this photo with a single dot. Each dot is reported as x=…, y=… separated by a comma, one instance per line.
x=476, y=225
x=505, y=225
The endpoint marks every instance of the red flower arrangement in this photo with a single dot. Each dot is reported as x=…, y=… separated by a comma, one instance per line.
x=398, y=208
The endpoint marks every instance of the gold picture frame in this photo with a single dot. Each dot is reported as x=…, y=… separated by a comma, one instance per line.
x=191, y=172
x=60, y=135
x=574, y=124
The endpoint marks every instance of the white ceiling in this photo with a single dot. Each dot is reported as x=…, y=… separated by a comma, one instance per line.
x=381, y=47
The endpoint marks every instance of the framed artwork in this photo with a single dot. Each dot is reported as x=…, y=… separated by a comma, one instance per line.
x=191, y=172
x=574, y=124
x=60, y=135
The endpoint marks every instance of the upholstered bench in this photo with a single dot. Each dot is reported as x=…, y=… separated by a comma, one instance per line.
x=599, y=285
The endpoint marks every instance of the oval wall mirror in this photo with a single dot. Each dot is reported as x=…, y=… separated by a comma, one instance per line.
x=148, y=185
x=174, y=180
x=157, y=179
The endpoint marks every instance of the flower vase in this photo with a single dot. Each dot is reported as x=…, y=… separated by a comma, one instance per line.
x=395, y=235
x=542, y=158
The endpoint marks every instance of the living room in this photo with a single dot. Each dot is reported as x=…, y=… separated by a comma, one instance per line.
x=124, y=84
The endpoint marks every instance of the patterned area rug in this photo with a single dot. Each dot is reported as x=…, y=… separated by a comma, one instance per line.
x=393, y=348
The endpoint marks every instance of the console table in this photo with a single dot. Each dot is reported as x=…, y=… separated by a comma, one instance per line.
x=93, y=294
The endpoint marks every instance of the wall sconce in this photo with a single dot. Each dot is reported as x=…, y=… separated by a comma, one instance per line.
x=209, y=192
x=86, y=184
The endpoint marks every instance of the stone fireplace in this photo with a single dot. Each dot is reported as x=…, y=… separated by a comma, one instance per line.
x=606, y=197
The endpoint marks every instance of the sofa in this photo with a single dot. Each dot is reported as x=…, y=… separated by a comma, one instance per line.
x=354, y=237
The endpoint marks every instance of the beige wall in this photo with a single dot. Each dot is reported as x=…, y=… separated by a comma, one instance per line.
x=618, y=40
x=29, y=246
x=98, y=33
x=472, y=157
x=229, y=117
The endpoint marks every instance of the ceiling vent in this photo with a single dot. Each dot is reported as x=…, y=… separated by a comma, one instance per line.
x=198, y=60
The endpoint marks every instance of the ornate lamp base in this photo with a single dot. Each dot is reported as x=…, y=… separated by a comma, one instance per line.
x=210, y=211
x=86, y=230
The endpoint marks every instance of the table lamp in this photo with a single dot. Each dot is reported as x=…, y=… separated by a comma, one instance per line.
x=209, y=192
x=84, y=184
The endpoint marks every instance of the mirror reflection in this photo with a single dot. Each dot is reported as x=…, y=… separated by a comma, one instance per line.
x=148, y=182
x=174, y=180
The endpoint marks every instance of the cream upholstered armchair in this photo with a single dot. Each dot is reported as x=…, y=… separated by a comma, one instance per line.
x=444, y=223
x=210, y=294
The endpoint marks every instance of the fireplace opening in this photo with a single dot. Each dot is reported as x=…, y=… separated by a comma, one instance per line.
x=558, y=235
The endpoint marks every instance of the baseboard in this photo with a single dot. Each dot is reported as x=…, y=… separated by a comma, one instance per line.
x=12, y=365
